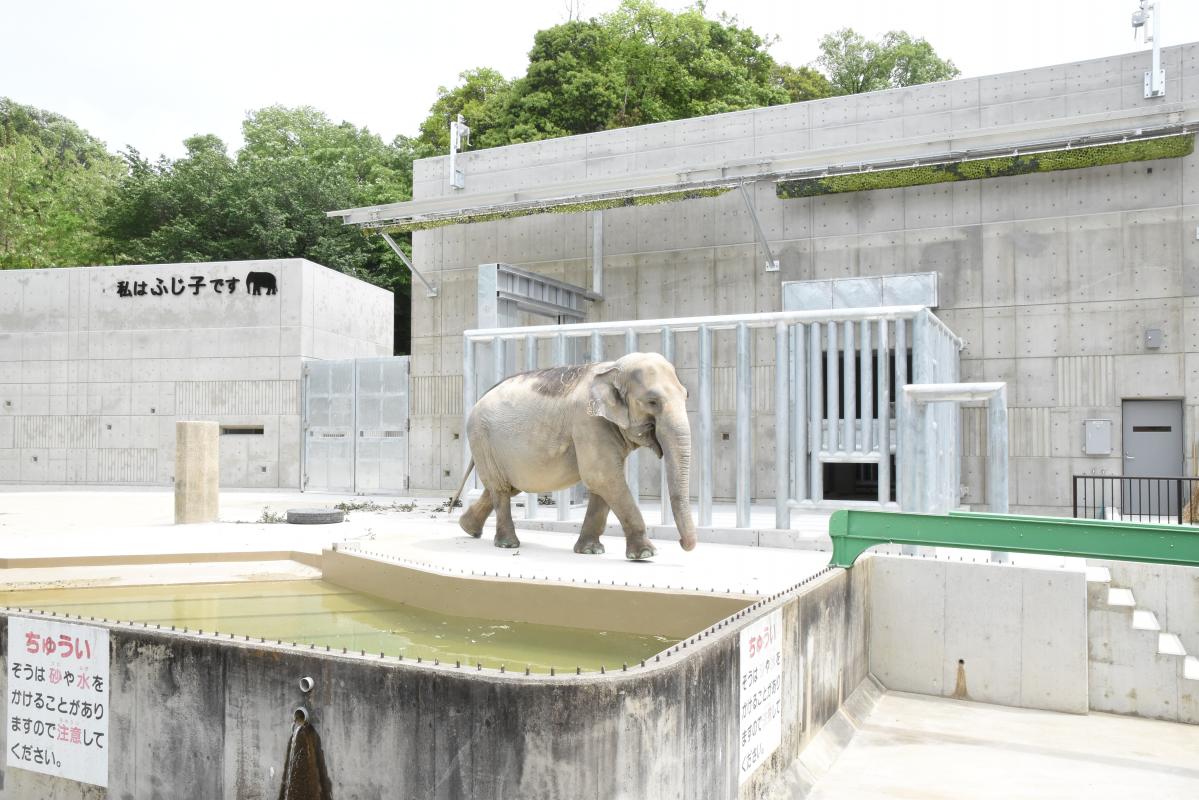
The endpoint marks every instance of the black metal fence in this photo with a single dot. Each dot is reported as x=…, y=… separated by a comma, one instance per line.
x=1137, y=499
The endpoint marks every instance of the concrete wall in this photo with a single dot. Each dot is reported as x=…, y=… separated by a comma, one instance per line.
x=91, y=383
x=211, y=718
x=1016, y=636
x=1051, y=279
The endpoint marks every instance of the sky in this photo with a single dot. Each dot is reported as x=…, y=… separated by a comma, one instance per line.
x=149, y=73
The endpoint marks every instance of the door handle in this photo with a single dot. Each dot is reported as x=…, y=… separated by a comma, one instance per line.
x=1131, y=458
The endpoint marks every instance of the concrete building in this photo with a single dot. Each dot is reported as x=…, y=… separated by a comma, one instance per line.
x=1079, y=287
x=97, y=364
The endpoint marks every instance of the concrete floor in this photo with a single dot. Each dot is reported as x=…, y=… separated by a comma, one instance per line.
x=106, y=522
x=913, y=746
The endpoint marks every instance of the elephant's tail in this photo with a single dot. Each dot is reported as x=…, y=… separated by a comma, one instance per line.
x=461, y=486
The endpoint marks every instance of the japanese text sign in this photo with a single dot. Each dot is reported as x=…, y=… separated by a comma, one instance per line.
x=58, y=699
x=761, y=694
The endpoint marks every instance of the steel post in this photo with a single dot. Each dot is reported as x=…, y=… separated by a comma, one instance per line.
x=782, y=439
x=744, y=410
x=663, y=486
x=632, y=467
x=562, y=496
x=706, y=443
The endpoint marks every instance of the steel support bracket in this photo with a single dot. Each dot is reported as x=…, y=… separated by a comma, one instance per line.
x=432, y=290
x=855, y=532
x=772, y=265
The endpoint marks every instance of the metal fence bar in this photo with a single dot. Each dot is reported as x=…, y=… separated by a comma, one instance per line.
x=850, y=393
x=715, y=322
x=562, y=496
x=468, y=402
x=832, y=406
x=632, y=465
x=531, y=499
x=1161, y=499
x=902, y=475
x=782, y=439
x=799, y=429
x=816, y=413
x=744, y=410
x=707, y=446
x=884, y=414
x=664, y=488
x=866, y=440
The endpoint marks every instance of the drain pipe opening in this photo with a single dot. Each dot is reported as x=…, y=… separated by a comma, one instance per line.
x=300, y=715
x=306, y=684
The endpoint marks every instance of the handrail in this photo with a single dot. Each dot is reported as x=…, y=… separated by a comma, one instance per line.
x=855, y=532
x=715, y=322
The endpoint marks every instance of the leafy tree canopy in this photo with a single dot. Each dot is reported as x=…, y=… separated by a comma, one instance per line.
x=855, y=64
x=55, y=180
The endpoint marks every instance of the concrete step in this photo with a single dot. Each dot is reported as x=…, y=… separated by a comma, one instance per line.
x=1120, y=597
x=1168, y=644
x=1190, y=668
x=1144, y=620
x=1099, y=575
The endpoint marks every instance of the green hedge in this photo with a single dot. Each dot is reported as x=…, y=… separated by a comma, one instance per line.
x=569, y=208
x=1075, y=158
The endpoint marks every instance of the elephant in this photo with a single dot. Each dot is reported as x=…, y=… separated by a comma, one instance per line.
x=548, y=429
x=257, y=281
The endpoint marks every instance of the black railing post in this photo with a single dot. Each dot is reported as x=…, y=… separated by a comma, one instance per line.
x=1074, y=494
x=1180, y=501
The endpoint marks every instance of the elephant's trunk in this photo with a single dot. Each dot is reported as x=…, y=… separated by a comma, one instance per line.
x=674, y=434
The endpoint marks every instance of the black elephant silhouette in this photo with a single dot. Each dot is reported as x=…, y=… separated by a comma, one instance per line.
x=257, y=281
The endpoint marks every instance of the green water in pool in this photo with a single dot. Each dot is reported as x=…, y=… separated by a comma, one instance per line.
x=323, y=614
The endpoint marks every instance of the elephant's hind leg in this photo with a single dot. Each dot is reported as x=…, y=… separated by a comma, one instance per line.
x=473, y=518
x=593, y=526
x=505, y=528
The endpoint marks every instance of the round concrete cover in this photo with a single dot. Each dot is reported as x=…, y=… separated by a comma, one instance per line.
x=314, y=516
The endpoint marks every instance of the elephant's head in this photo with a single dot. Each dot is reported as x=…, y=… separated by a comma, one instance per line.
x=642, y=395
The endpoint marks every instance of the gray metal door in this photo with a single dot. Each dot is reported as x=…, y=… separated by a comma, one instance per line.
x=382, y=425
x=1152, y=435
x=328, y=426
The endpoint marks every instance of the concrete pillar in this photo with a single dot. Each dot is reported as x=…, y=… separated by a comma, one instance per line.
x=197, y=471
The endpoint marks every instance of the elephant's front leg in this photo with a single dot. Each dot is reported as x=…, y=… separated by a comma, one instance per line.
x=505, y=528
x=593, y=526
x=616, y=492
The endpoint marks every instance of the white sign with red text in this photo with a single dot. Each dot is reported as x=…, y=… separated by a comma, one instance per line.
x=58, y=711
x=761, y=695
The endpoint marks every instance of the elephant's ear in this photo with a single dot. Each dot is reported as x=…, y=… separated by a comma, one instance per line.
x=605, y=399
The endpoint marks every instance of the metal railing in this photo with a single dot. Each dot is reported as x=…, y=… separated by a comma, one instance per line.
x=1168, y=499
x=833, y=394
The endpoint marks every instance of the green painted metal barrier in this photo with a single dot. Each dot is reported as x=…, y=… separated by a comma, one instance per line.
x=855, y=532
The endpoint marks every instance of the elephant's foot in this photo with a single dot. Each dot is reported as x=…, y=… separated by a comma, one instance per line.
x=589, y=545
x=469, y=525
x=639, y=548
x=506, y=539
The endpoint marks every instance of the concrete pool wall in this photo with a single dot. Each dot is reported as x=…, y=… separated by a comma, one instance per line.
x=204, y=716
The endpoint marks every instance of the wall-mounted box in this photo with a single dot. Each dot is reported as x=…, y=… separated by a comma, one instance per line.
x=1097, y=437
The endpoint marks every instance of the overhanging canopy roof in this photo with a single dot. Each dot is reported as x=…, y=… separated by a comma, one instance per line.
x=701, y=181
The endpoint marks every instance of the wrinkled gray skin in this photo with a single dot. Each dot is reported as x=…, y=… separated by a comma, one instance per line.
x=546, y=430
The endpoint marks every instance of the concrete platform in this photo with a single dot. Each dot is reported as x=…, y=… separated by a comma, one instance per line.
x=928, y=747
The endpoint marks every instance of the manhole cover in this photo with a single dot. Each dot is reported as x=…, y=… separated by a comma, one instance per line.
x=314, y=516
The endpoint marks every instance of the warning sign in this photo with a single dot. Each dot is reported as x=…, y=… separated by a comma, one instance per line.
x=761, y=691
x=58, y=699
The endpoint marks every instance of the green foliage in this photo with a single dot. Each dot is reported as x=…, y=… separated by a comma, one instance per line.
x=1075, y=158
x=55, y=179
x=802, y=83
x=855, y=64
x=271, y=517
x=568, y=208
x=268, y=202
x=637, y=65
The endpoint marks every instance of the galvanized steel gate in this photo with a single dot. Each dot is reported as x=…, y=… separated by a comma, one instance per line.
x=355, y=425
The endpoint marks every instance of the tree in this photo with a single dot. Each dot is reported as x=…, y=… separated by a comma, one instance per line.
x=802, y=83
x=855, y=64
x=267, y=202
x=637, y=65
x=55, y=179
